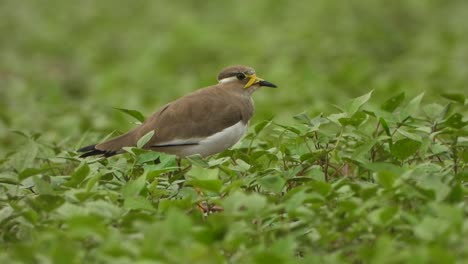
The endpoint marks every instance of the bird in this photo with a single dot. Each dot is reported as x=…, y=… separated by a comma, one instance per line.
x=205, y=122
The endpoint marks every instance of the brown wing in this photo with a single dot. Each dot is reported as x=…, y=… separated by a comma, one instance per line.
x=193, y=117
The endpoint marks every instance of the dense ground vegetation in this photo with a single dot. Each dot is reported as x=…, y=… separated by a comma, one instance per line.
x=319, y=178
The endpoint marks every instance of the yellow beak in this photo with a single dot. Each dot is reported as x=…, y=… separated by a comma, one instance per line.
x=253, y=79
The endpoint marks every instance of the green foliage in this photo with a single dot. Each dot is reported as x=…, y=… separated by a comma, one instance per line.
x=322, y=190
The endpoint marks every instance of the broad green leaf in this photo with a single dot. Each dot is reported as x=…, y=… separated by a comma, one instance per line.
x=456, y=194
x=362, y=151
x=412, y=108
x=464, y=155
x=208, y=185
x=178, y=224
x=386, y=178
x=239, y=201
x=383, y=216
x=138, y=203
x=321, y=187
x=92, y=181
x=198, y=161
x=383, y=166
x=457, y=97
x=28, y=172
x=41, y=186
x=9, y=180
x=434, y=183
x=313, y=156
x=48, y=202
x=354, y=120
x=148, y=156
x=133, y=113
x=134, y=187
x=24, y=157
x=430, y=228
x=455, y=121
x=205, y=178
x=78, y=176
x=274, y=183
x=404, y=148
x=290, y=128
x=434, y=111
x=335, y=118
x=145, y=139
x=409, y=135
x=357, y=103
x=217, y=162
x=202, y=173
x=316, y=173
x=262, y=125
x=317, y=121
x=391, y=104
x=303, y=118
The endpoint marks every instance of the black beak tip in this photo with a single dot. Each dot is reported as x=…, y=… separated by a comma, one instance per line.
x=268, y=84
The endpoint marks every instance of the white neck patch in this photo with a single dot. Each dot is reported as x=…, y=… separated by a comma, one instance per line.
x=228, y=79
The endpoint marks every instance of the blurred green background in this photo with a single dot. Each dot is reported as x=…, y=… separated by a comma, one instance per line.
x=64, y=65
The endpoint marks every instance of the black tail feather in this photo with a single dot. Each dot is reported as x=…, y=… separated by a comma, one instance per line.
x=92, y=151
x=87, y=148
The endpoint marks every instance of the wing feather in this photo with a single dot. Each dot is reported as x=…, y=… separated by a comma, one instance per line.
x=194, y=117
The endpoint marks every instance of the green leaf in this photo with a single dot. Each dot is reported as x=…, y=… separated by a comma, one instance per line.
x=321, y=187
x=384, y=166
x=316, y=173
x=138, y=203
x=412, y=108
x=290, y=128
x=302, y=118
x=148, y=156
x=429, y=228
x=274, y=183
x=145, y=139
x=205, y=178
x=238, y=201
x=383, y=216
x=355, y=120
x=92, y=181
x=455, y=195
x=134, y=187
x=262, y=125
x=133, y=113
x=24, y=157
x=386, y=178
x=208, y=185
x=357, y=103
x=404, y=148
x=409, y=135
x=78, y=176
x=8, y=180
x=41, y=186
x=434, y=111
x=391, y=104
x=48, y=202
x=455, y=121
x=28, y=172
x=178, y=224
x=197, y=160
x=363, y=150
x=457, y=97
x=385, y=126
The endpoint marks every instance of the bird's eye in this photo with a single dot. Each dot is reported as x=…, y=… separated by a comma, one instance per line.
x=240, y=76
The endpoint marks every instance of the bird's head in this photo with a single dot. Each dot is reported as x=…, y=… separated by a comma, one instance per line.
x=244, y=76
